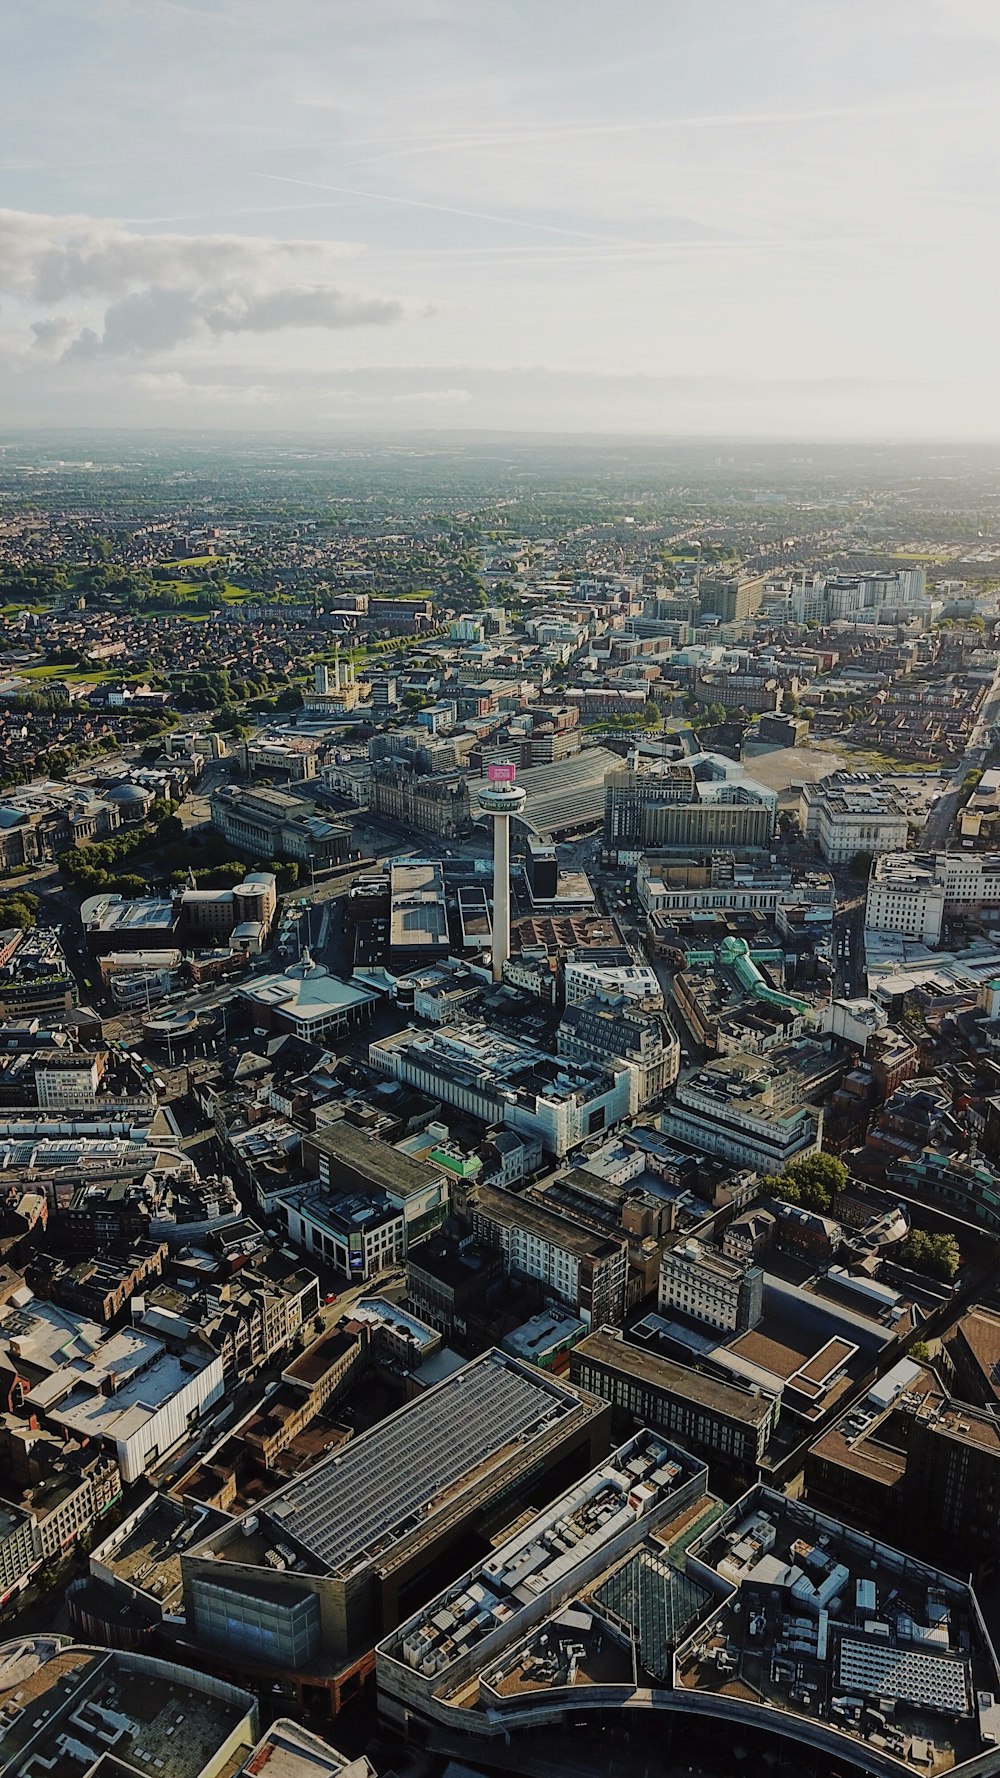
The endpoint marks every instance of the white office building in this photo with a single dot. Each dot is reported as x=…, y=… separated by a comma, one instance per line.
x=705, y=1285
x=854, y=812
x=912, y=894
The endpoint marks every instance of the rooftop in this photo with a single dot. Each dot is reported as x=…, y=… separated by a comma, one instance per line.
x=63, y=1708
x=640, y=1480
x=660, y=1373
x=387, y=1484
x=819, y=1621
x=375, y=1161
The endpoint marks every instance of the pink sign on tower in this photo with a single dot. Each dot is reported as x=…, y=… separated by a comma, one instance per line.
x=501, y=774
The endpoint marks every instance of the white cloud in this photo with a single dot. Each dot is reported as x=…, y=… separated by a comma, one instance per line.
x=164, y=289
x=158, y=319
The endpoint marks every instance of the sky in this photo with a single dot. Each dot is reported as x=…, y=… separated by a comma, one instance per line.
x=745, y=217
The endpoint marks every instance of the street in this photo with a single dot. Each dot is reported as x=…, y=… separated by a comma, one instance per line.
x=938, y=828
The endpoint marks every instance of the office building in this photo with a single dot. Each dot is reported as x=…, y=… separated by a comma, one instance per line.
x=745, y=1109
x=912, y=894
x=542, y=869
x=358, y=1233
x=703, y=1284
x=729, y=1426
x=601, y=1029
x=292, y=759
x=345, y=1157
x=852, y=812
x=212, y=916
x=265, y=824
x=632, y=789
x=297, y=1592
x=911, y=1453
x=19, y=1556
x=732, y=598
x=586, y=1270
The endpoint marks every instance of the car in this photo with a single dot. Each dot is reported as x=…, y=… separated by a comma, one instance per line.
x=331, y=1297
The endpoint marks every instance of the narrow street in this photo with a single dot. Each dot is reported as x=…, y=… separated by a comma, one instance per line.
x=938, y=828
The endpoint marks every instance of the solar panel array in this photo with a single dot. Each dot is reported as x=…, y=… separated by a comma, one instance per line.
x=379, y=1487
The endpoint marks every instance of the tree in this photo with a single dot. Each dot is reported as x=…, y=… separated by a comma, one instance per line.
x=19, y=909
x=651, y=713
x=920, y=1352
x=937, y=1256
x=811, y=1181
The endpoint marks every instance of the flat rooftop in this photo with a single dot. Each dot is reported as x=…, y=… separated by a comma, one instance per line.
x=817, y=1620
x=634, y=1486
x=543, y=1223
x=148, y=1556
x=290, y=1751
x=109, y=1703
x=352, y=1509
x=377, y=1162
x=660, y=1373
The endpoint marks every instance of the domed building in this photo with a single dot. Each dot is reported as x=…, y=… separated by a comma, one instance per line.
x=133, y=801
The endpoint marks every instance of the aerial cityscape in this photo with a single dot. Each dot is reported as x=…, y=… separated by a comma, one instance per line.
x=499, y=890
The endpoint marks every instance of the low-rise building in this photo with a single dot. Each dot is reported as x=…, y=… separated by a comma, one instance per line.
x=358, y=1233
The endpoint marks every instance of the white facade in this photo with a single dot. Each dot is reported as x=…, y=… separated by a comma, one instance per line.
x=707, y=1286
x=848, y=814
x=363, y=1253
x=469, y=1066
x=761, y=1138
x=67, y=1083
x=905, y=896
x=911, y=896
x=150, y=1414
x=635, y=980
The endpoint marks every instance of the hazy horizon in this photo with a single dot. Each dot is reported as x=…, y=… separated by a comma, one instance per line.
x=425, y=217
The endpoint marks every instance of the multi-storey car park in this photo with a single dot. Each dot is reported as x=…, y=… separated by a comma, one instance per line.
x=762, y=1623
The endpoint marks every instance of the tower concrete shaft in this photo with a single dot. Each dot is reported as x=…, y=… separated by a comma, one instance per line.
x=500, y=798
x=501, y=894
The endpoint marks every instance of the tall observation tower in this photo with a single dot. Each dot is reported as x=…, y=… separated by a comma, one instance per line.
x=500, y=798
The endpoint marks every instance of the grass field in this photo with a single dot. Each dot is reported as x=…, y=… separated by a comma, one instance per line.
x=70, y=675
